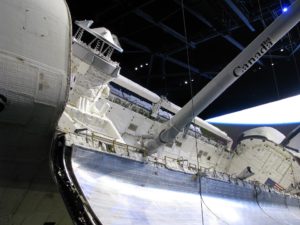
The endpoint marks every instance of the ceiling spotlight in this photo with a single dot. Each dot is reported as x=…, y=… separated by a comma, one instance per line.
x=146, y=64
x=259, y=68
x=272, y=64
x=185, y=82
x=136, y=68
x=282, y=50
x=192, y=80
x=141, y=65
x=285, y=9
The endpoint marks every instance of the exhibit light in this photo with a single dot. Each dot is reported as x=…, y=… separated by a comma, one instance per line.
x=279, y=112
x=285, y=9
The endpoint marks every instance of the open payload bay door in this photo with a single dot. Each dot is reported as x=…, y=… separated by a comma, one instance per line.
x=120, y=190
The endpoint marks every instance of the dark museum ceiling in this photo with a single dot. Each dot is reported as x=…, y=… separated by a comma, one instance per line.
x=169, y=38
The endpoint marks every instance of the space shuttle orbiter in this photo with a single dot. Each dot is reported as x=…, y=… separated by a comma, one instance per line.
x=35, y=69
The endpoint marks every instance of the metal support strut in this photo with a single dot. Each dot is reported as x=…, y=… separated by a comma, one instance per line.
x=235, y=69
